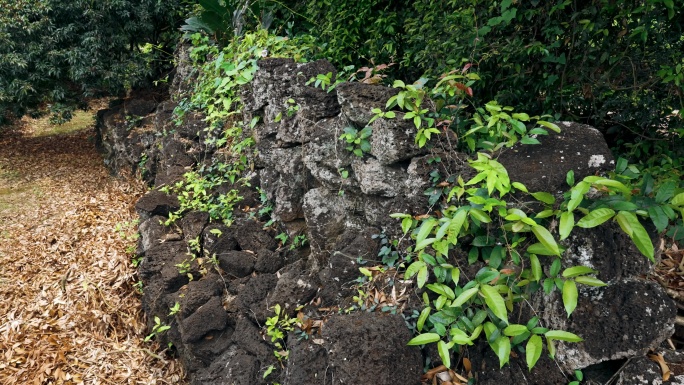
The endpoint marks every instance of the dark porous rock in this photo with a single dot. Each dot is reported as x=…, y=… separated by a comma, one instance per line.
x=153, y=232
x=326, y=158
x=218, y=238
x=159, y=256
x=325, y=215
x=393, y=140
x=193, y=126
x=270, y=84
x=202, y=353
x=371, y=340
x=139, y=107
x=543, y=167
x=254, y=292
x=236, y=263
x=377, y=179
x=248, y=338
x=207, y=318
x=295, y=287
x=176, y=152
x=193, y=224
x=358, y=99
x=168, y=175
x=268, y=261
x=608, y=249
x=624, y=319
x=251, y=236
x=234, y=367
x=315, y=103
x=197, y=293
x=307, y=363
x=186, y=75
x=156, y=202
x=339, y=276
x=487, y=372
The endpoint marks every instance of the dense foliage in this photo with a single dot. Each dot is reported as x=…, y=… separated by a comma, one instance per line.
x=614, y=64
x=59, y=51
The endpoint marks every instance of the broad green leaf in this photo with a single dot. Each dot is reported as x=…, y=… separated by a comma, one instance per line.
x=425, y=229
x=550, y=126
x=562, y=335
x=544, y=197
x=615, y=184
x=423, y=243
x=521, y=115
x=442, y=230
x=539, y=249
x=444, y=353
x=459, y=336
x=441, y=289
x=577, y=194
x=422, y=276
x=567, y=222
x=413, y=269
x=665, y=192
x=533, y=350
x=678, y=200
x=577, y=270
x=546, y=239
x=503, y=350
x=423, y=339
x=590, y=281
x=455, y=226
x=515, y=329
x=569, y=296
x=536, y=268
x=519, y=186
x=544, y=214
x=658, y=217
x=638, y=233
x=455, y=275
x=480, y=215
x=421, y=319
x=495, y=302
x=595, y=218
x=465, y=296
x=551, y=347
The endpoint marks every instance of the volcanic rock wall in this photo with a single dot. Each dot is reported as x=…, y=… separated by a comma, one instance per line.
x=340, y=201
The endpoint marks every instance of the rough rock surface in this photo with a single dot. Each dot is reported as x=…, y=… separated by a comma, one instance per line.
x=333, y=202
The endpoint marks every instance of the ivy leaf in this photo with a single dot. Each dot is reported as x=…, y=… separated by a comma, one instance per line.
x=546, y=239
x=567, y=222
x=495, y=302
x=423, y=339
x=533, y=350
x=444, y=353
x=596, y=218
x=569, y=296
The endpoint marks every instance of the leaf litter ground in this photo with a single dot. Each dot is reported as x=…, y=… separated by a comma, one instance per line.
x=69, y=311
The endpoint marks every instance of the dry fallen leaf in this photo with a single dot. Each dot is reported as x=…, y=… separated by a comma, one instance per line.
x=663, y=366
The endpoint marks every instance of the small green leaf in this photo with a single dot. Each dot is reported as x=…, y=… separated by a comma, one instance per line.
x=365, y=272
x=658, y=217
x=465, y=296
x=678, y=200
x=567, y=222
x=539, y=249
x=629, y=221
x=546, y=239
x=595, y=218
x=480, y=215
x=444, y=353
x=570, y=178
x=459, y=336
x=535, y=266
x=425, y=229
x=544, y=197
x=421, y=319
x=519, y=186
x=514, y=330
x=577, y=270
x=423, y=339
x=590, y=281
x=569, y=296
x=495, y=302
x=503, y=350
x=533, y=350
x=550, y=126
x=422, y=276
x=562, y=336
x=413, y=269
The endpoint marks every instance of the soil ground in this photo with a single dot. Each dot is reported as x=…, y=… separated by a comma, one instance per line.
x=69, y=309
